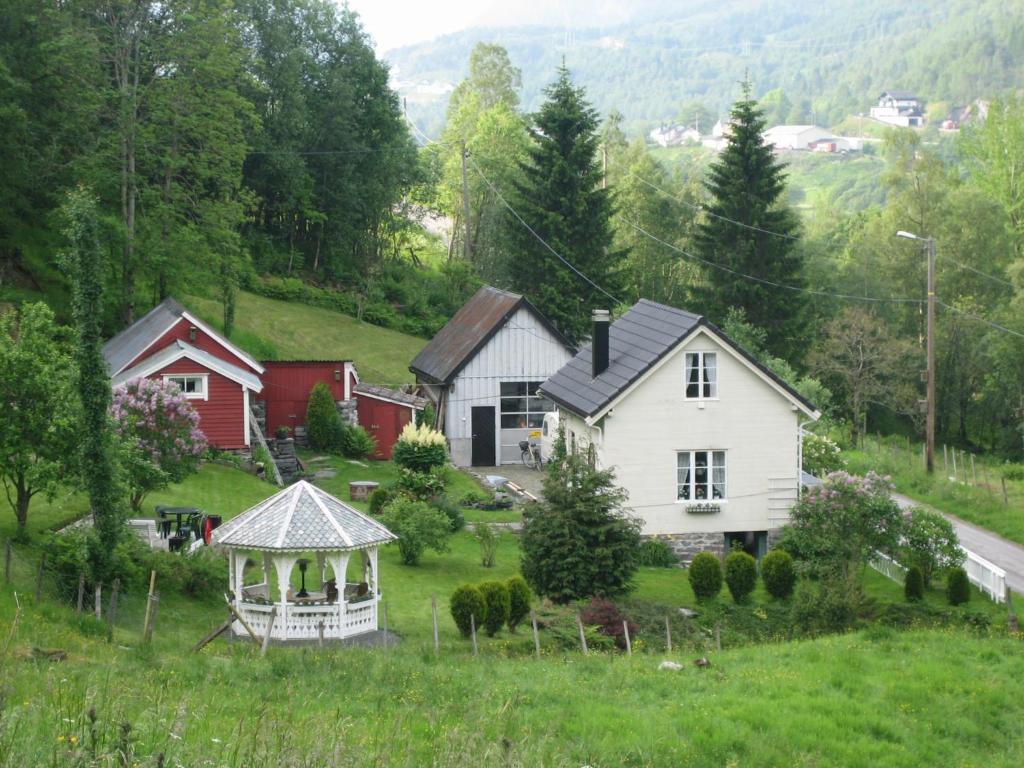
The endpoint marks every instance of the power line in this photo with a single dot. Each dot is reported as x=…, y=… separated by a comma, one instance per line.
x=986, y=275
x=704, y=209
x=540, y=239
x=972, y=316
x=794, y=288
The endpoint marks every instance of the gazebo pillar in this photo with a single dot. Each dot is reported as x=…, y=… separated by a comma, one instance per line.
x=321, y=564
x=283, y=564
x=375, y=581
x=339, y=564
x=268, y=564
x=238, y=558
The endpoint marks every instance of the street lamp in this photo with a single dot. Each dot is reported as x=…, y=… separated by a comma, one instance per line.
x=929, y=430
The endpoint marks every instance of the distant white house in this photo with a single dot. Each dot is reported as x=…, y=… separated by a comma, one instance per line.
x=785, y=137
x=674, y=135
x=702, y=436
x=482, y=371
x=899, y=108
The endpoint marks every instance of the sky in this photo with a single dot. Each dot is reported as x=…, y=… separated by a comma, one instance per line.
x=394, y=23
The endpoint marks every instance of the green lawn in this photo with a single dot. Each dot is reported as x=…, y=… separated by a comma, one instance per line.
x=282, y=330
x=879, y=697
x=982, y=504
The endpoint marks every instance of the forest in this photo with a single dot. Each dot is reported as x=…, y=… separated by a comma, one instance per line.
x=256, y=145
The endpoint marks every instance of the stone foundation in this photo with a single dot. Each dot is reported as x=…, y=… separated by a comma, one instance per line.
x=347, y=409
x=685, y=545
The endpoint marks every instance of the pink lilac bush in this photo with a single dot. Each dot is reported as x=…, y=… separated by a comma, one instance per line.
x=160, y=438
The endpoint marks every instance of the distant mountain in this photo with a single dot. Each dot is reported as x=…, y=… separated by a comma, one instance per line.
x=832, y=58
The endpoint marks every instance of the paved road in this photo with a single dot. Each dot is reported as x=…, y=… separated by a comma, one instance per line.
x=1006, y=554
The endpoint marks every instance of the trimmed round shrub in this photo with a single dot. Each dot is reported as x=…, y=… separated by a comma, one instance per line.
x=520, y=597
x=499, y=606
x=705, y=574
x=655, y=553
x=380, y=499
x=958, y=587
x=913, y=584
x=740, y=574
x=778, y=574
x=467, y=602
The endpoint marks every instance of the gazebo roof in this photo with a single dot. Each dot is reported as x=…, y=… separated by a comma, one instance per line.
x=300, y=518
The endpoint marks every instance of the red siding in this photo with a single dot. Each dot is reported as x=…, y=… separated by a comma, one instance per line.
x=383, y=420
x=286, y=388
x=203, y=341
x=222, y=416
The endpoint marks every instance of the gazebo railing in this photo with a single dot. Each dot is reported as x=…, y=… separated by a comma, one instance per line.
x=299, y=621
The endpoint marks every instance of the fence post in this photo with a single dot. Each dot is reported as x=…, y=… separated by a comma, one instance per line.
x=154, y=601
x=149, y=605
x=974, y=470
x=536, y=635
x=270, y=631
x=472, y=629
x=718, y=636
x=668, y=636
x=956, y=476
x=1006, y=496
x=112, y=611
x=7, y=561
x=39, y=577
x=583, y=637
x=945, y=461
x=98, y=601
x=433, y=613
x=80, y=603
x=629, y=645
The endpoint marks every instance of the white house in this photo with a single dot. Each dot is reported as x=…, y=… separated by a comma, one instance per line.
x=482, y=371
x=782, y=137
x=900, y=108
x=704, y=438
x=674, y=135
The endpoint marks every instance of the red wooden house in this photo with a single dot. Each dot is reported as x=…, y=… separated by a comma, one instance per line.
x=224, y=383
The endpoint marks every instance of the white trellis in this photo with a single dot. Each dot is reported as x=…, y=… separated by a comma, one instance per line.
x=303, y=519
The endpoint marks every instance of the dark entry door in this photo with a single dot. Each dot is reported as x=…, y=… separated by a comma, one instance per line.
x=483, y=436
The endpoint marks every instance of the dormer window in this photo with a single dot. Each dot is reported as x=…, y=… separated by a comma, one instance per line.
x=701, y=376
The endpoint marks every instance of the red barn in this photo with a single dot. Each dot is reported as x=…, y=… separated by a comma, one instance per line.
x=224, y=383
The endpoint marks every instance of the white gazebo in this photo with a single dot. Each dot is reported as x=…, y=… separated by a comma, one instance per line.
x=304, y=519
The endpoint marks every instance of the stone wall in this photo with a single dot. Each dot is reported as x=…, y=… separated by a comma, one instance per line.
x=348, y=412
x=685, y=545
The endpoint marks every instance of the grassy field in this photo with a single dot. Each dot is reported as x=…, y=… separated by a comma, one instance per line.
x=273, y=329
x=982, y=504
x=879, y=697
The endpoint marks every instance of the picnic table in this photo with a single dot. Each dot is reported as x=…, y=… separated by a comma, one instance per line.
x=184, y=517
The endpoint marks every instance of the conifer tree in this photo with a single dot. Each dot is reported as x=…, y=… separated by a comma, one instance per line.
x=747, y=184
x=561, y=199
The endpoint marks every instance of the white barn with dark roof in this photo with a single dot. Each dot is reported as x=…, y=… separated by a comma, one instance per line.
x=704, y=438
x=482, y=371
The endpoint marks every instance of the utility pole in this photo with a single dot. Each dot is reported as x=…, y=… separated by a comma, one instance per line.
x=929, y=428
x=468, y=248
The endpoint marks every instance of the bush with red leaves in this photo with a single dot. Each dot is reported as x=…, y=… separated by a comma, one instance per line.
x=608, y=617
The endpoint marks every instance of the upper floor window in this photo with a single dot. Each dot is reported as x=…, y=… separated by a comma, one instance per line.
x=701, y=375
x=194, y=387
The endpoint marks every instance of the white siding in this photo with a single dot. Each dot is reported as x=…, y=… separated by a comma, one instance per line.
x=752, y=422
x=523, y=350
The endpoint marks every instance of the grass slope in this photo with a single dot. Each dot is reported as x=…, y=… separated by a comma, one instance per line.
x=282, y=330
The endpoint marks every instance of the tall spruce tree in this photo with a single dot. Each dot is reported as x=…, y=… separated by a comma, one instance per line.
x=561, y=199
x=747, y=183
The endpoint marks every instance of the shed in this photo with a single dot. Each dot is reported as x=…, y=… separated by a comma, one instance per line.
x=482, y=371
x=287, y=384
x=384, y=412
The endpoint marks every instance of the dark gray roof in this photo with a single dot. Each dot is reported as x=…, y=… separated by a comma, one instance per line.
x=301, y=518
x=636, y=341
x=395, y=395
x=476, y=322
x=133, y=340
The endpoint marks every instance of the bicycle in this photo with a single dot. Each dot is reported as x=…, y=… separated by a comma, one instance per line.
x=530, y=452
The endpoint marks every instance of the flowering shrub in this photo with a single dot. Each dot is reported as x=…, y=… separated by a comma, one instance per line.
x=821, y=455
x=838, y=525
x=930, y=542
x=420, y=448
x=160, y=438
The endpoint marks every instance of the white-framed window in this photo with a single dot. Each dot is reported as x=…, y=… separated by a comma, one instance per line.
x=521, y=406
x=192, y=384
x=700, y=476
x=701, y=375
